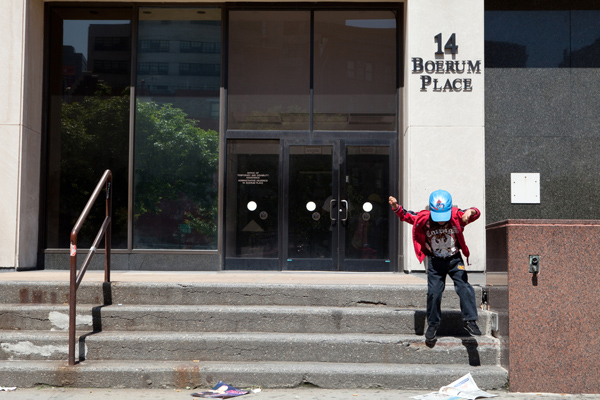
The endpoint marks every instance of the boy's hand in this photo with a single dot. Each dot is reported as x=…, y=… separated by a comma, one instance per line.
x=393, y=203
x=467, y=215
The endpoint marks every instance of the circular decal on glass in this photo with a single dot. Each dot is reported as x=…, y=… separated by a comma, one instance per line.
x=263, y=215
x=316, y=216
x=366, y=216
x=310, y=206
x=368, y=207
x=252, y=205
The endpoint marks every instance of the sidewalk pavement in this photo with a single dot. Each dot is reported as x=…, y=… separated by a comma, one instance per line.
x=253, y=277
x=266, y=394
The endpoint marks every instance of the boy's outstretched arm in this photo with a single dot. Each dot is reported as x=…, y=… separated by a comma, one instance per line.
x=404, y=215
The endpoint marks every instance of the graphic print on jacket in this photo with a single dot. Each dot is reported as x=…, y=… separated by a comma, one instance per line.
x=441, y=239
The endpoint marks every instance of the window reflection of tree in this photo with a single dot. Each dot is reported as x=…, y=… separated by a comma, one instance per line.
x=175, y=194
x=175, y=201
x=94, y=137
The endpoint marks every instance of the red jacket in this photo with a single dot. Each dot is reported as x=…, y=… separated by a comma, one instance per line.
x=419, y=220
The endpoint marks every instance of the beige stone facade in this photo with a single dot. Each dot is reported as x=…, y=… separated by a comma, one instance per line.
x=430, y=117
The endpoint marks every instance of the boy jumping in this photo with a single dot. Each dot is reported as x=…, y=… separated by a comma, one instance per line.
x=438, y=235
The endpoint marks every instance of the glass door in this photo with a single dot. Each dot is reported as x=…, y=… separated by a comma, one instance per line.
x=296, y=206
x=312, y=197
x=336, y=208
x=252, y=205
x=365, y=184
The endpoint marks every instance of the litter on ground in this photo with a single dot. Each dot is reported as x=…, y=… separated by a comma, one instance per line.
x=463, y=388
x=221, y=391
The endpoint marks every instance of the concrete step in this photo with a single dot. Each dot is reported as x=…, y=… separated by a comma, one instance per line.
x=158, y=293
x=251, y=347
x=153, y=334
x=167, y=374
x=225, y=318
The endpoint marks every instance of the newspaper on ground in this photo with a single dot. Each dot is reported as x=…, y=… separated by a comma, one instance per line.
x=461, y=389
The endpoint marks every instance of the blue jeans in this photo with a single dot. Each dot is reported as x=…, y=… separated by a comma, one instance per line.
x=437, y=270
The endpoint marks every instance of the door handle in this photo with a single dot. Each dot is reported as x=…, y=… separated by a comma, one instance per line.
x=346, y=217
x=331, y=209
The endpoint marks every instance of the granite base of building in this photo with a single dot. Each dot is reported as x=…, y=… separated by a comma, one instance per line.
x=548, y=320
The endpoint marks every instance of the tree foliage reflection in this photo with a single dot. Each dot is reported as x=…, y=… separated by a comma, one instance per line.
x=175, y=197
x=175, y=181
x=94, y=137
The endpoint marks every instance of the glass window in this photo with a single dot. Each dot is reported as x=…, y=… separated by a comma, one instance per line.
x=176, y=130
x=585, y=39
x=186, y=46
x=88, y=124
x=527, y=39
x=542, y=38
x=355, y=70
x=269, y=70
x=153, y=68
x=155, y=46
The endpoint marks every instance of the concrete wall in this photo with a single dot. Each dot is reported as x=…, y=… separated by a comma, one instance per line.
x=548, y=321
x=21, y=29
x=443, y=133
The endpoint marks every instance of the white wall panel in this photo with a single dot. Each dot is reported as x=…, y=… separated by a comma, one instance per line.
x=11, y=32
x=457, y=169
x=9, y=165
x=443, y=140
x=21, y=63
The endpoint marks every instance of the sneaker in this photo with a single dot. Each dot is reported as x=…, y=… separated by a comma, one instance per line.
x=472, y=328
x=430, y=333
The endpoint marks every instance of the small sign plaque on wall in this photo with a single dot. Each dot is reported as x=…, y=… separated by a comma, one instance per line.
x=525, y=188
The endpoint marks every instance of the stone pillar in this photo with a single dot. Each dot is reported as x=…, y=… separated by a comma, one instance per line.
x=443, y=113
x=21, y=63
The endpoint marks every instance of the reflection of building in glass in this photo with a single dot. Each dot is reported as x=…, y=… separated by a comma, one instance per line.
x=587, y=57
x=109, y=49
x=179, y=62
x=73, y=66
x=108, y=61
x=109, y=52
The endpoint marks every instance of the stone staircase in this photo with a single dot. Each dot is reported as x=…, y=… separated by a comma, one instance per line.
x=261, y=335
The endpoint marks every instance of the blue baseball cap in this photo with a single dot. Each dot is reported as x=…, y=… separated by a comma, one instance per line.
x=440, y=205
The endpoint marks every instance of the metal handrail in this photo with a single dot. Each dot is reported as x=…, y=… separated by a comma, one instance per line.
x=105, y=230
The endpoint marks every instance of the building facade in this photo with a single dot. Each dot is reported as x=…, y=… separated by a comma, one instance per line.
x=253, y=135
